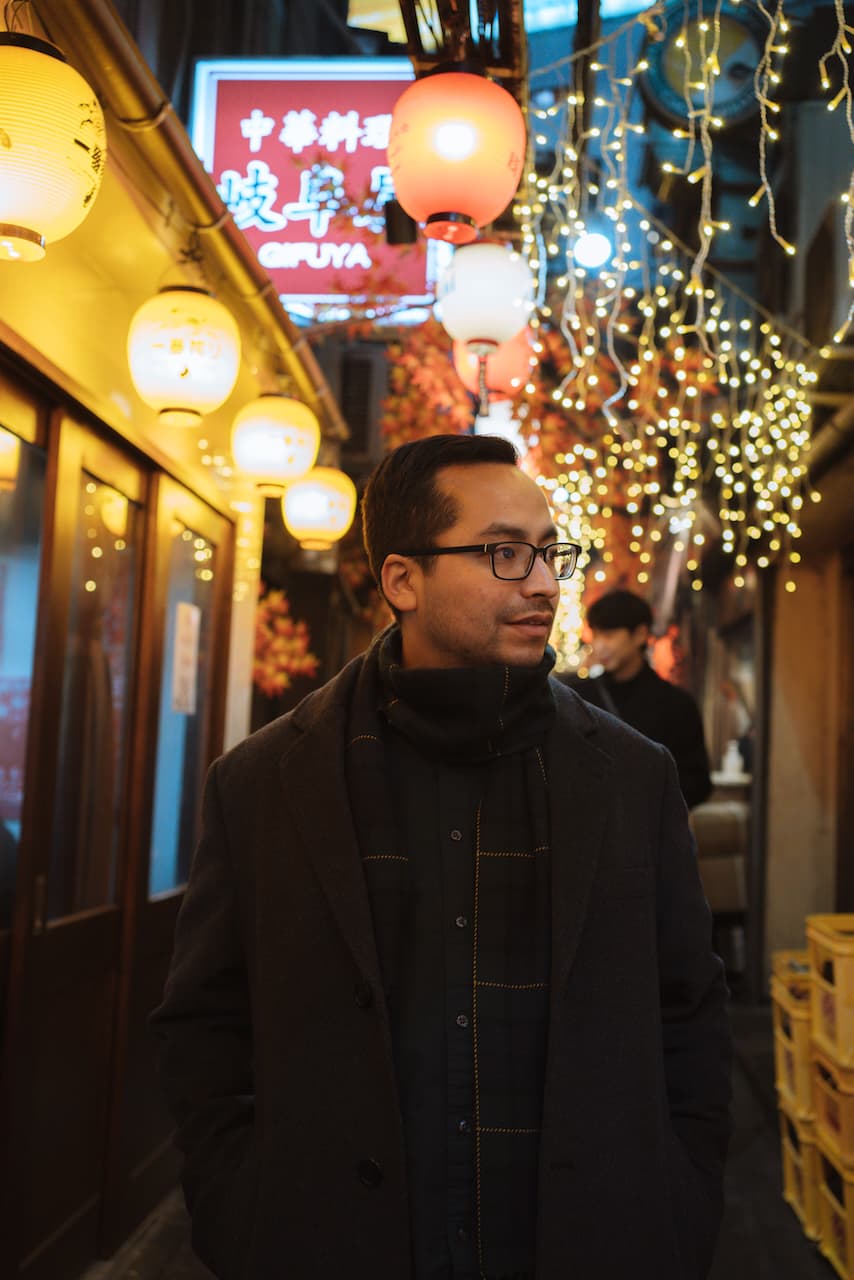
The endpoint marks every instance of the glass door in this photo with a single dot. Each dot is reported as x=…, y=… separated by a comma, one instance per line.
x=177, y=733
x=67, y=944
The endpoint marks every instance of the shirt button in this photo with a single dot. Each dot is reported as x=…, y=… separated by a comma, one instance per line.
x=463, y=1126
x=456, y=835
x=463, y=1233
x=462, y=1020
x=461, y=922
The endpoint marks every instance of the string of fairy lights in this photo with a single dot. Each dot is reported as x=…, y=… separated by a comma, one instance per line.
x=705, y=397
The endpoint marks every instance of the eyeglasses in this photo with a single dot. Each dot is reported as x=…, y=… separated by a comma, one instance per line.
x=513, y=561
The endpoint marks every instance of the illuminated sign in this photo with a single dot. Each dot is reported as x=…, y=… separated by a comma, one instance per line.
x=297, y=149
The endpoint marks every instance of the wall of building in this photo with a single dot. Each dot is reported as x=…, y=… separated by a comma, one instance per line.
x=803, y=800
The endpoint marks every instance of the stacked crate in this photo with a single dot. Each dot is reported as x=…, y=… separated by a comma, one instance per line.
x=830, y=939
x=790, y=993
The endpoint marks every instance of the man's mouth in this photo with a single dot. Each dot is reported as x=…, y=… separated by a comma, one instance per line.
x=533, y=622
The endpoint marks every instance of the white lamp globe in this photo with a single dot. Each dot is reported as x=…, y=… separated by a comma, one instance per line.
x=486, y=295
x=319, y=509
x=53, y=147
x=275, y=439
x=184, y=354
x=592, y=250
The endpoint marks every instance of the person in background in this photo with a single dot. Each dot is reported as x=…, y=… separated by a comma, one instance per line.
x=620, y=623
x=443, y=1003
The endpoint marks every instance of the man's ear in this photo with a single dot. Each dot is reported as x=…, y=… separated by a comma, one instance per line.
x=640, y=635
x=397, y=580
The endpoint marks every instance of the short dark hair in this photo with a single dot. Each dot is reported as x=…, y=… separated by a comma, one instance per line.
x=402, y=506
x=618, y=609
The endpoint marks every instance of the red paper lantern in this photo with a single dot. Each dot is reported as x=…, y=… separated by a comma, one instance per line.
x=507, y=369
x=456, y=150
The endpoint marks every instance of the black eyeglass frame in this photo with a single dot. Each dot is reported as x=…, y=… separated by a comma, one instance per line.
x=489, y=548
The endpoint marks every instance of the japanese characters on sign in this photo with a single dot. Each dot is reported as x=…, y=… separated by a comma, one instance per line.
x=298, y=153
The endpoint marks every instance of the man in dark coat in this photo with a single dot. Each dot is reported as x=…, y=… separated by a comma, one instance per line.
x=443, y=1003
x=620, y=622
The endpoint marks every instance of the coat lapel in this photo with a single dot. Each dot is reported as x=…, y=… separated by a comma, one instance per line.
x=579, y=794
x=315, y=792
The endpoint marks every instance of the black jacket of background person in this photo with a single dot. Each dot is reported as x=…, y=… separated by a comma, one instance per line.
x=661, y=711
x=280, y=1071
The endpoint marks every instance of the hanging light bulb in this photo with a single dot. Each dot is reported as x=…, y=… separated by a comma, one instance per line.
x=484, y=297
x=184, y=354
x=507, y=367
x=275, y=439
x=53, y=147
x=592, y=249
x=319, y=509
x=456, y=149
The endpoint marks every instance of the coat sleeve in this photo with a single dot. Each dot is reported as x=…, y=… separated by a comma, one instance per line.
x=695, y=1026
x=204, y=1033
x=688, y=746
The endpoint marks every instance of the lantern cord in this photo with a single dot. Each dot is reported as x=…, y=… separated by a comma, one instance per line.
x=11, y=13
x=483, y=390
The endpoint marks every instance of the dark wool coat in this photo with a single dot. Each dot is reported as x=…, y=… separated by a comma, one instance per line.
x=274, y=1038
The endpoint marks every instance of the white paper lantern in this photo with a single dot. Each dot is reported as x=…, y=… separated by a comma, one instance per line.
x=486, y=295
x=53, y=147
x=275, y=440
x=184, y=354
x=319, y=510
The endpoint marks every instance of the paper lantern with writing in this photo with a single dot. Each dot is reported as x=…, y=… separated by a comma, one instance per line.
x=53, y=147
x=184, y=354
x=456, y=150
x=319, y=509
x=275, y=440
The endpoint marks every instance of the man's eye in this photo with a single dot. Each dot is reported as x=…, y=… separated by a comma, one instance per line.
x=507, y=552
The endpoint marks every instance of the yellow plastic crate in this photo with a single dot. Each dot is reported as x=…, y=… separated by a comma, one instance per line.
x=836, y=1211
x=792, y=968
x=833, y=1095
x=831, y=948
x=792, y=1022
x=800, y=1169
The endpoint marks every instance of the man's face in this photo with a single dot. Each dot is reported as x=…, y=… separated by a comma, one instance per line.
x=463, y=615
x=620, y=651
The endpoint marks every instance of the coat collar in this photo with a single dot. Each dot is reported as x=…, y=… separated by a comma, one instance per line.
x=315, y=789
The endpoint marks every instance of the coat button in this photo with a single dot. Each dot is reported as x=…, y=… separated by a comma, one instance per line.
x=370, y=1173
x=363, y=994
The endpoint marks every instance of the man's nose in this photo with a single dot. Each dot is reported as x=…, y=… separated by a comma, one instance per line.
x=540, y=581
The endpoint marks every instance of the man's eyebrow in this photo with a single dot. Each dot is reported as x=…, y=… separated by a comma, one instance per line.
x=514, y=532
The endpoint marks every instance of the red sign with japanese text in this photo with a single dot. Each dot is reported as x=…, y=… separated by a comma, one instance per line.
x=297, y=150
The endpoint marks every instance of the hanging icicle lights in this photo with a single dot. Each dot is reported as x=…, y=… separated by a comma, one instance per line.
x=730, y=430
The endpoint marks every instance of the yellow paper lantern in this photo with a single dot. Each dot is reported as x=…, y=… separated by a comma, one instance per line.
x=53, y=147
x=275, y=439
x=319, y=510
x=184, y=354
